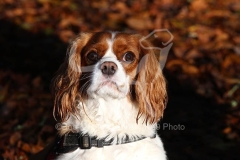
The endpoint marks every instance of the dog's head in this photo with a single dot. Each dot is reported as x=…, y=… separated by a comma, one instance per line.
x=110, y=66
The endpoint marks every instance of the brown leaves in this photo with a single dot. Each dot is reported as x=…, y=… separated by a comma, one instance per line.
x=15, y=137
x=185, y=68
x=233, y=126
x=24, y=109
x=199, y=5
x=140, y=22
x=211, y=45
x=231, y=66
x=4, y=93
x=202, y=33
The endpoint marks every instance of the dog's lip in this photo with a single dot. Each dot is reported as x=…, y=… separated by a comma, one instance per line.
x=108, y=83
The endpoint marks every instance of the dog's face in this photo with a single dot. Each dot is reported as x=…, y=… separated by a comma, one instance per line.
x=110, y=66
x=113, y=59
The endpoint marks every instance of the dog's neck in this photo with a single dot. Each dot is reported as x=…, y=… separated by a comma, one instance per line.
x=113, y=118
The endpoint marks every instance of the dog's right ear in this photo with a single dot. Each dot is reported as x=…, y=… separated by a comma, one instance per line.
x=65, y=84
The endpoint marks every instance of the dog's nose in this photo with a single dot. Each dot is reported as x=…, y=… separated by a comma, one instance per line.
x=108, y=68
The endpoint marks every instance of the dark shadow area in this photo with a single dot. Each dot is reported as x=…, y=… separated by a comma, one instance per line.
x=24, y=52
x=192, y=126
x=28, y=62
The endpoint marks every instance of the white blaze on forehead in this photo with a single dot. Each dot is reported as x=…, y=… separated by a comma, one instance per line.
x=113, y=35
x=109, y=53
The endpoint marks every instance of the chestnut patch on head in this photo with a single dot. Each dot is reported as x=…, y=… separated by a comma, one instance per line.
x=95, y=48
x=126, y=49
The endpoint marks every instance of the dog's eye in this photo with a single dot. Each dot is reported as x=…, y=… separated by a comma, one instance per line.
x=128, y=57
x=92, y=56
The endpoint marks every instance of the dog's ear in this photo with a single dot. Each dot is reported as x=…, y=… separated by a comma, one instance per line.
x=150, y=86
x=65, y=85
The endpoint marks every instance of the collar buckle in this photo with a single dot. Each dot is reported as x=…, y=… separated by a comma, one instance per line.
x=66, y=143
x=85, y=142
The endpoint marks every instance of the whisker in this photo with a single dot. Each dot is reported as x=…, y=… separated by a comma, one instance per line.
x=83, y=87
x=85, y=76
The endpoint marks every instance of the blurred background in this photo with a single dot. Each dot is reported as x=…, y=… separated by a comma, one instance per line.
x=202, y=69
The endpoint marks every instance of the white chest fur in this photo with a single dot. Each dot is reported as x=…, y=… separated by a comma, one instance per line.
x=115, y=119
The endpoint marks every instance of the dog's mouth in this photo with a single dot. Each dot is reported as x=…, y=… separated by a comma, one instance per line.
x=112, y=86
x=109, y=84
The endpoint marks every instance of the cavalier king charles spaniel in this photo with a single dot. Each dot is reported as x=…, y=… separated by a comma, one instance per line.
x=109, y=95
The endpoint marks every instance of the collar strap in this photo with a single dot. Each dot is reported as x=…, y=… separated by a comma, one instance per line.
x=71, y=141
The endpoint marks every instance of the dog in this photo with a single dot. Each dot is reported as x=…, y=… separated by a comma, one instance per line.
x=109, y=95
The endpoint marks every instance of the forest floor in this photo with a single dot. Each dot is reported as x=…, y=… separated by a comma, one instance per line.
x=202, y=69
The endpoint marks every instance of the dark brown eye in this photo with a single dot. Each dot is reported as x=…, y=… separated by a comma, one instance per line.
x=128, y=57
x=92, y=56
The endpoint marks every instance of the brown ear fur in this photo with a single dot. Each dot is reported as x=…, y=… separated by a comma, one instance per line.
x=66, y=82
x=150, y=87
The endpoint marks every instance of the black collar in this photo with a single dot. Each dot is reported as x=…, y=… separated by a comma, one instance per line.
x=71, y=141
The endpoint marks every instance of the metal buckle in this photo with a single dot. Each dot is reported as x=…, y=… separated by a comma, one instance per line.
x=85, y=142
x=66, y=143
x=70, y=139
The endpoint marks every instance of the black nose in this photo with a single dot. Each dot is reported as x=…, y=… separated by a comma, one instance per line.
x=108, y=68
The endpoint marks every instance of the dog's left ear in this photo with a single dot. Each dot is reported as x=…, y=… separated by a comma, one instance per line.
x=150, y=86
